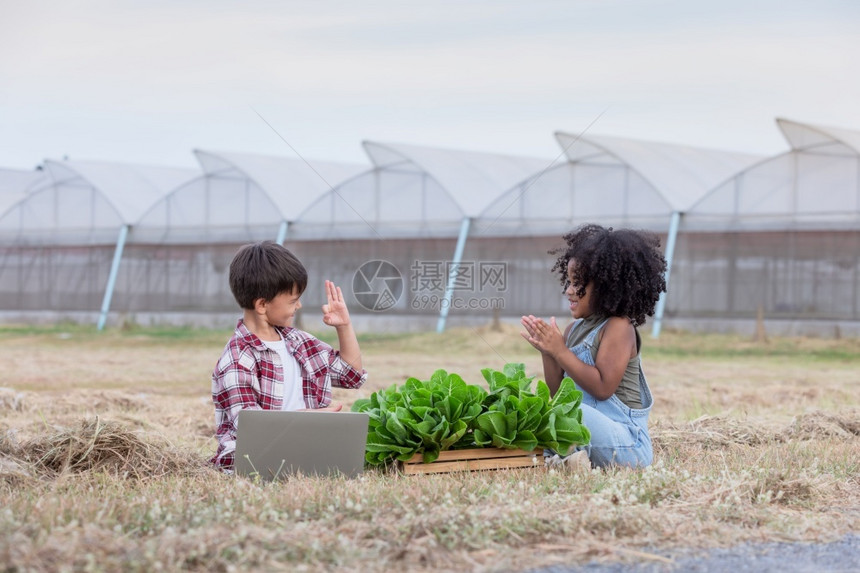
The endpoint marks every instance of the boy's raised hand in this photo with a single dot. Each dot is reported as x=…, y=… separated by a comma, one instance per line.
x=335, y=312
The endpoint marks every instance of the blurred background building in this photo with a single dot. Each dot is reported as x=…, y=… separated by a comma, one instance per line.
x=467, y=233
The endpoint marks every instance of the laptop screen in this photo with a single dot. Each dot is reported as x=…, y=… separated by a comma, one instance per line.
x=274, y=444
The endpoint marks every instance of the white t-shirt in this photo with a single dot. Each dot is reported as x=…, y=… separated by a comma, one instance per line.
x=293, y=396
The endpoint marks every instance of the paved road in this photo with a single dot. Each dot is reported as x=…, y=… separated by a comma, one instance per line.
x=841, y=556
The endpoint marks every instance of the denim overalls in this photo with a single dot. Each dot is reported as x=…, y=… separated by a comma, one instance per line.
x=619, y=434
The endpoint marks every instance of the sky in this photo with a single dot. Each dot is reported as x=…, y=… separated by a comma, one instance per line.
x=149, y=82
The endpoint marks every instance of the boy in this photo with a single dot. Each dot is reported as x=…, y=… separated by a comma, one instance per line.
x=268, y=364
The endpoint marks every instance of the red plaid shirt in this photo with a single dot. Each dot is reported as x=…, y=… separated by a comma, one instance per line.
x=249, y=375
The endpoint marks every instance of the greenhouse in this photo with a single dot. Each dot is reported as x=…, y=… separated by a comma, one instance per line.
x=18, y=182
x=60, y=240
x=608, y=180
x=780, y=238
x=178, y=252
x=424, y=237
x=15, y=184
x=414, y=210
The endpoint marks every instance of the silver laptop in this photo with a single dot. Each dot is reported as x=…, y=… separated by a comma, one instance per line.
x=275, y=444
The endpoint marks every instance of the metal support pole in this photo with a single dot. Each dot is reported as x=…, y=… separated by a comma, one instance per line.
x=670, y=253
x=282, y=233
x=452, y=275
x=114, y=270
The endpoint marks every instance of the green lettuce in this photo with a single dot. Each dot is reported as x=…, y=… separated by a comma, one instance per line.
x=445, y=412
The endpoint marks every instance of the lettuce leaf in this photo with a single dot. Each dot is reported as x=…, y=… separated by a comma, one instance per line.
x=430, y=416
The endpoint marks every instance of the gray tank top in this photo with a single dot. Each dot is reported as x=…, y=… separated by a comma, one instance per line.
x=628, y=389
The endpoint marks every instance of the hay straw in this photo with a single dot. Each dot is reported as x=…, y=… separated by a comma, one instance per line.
x=710, y=432
x=713, y=432
x=13, y=471
x=11, y=399
x=108, y=446
x=815, y=425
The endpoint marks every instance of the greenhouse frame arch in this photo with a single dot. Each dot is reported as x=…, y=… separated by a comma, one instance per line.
x=746, y=236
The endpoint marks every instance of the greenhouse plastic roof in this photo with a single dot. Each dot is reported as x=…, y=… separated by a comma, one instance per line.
x=130, y=189
x=804, y=136
x=815, y=185
x=21, y=181
x=16, y=183
x=9, y=199
x=681, y=174
x=473, y=179
x=292, y=184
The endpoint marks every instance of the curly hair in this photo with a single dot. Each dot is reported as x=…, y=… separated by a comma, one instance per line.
x=625, y=268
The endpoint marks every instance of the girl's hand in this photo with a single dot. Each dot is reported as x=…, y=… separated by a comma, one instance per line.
x=545, y=337
x=528, y=324
x=335, y=312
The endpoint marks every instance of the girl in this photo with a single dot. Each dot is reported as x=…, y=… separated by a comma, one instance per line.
x=613, y=280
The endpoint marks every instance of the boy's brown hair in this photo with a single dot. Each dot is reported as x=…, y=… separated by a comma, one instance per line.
x=265, y=270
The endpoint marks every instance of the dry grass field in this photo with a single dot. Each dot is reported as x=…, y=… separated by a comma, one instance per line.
x=104, y=436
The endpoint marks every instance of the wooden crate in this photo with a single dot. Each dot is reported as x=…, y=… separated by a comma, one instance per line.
x=474, y=459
